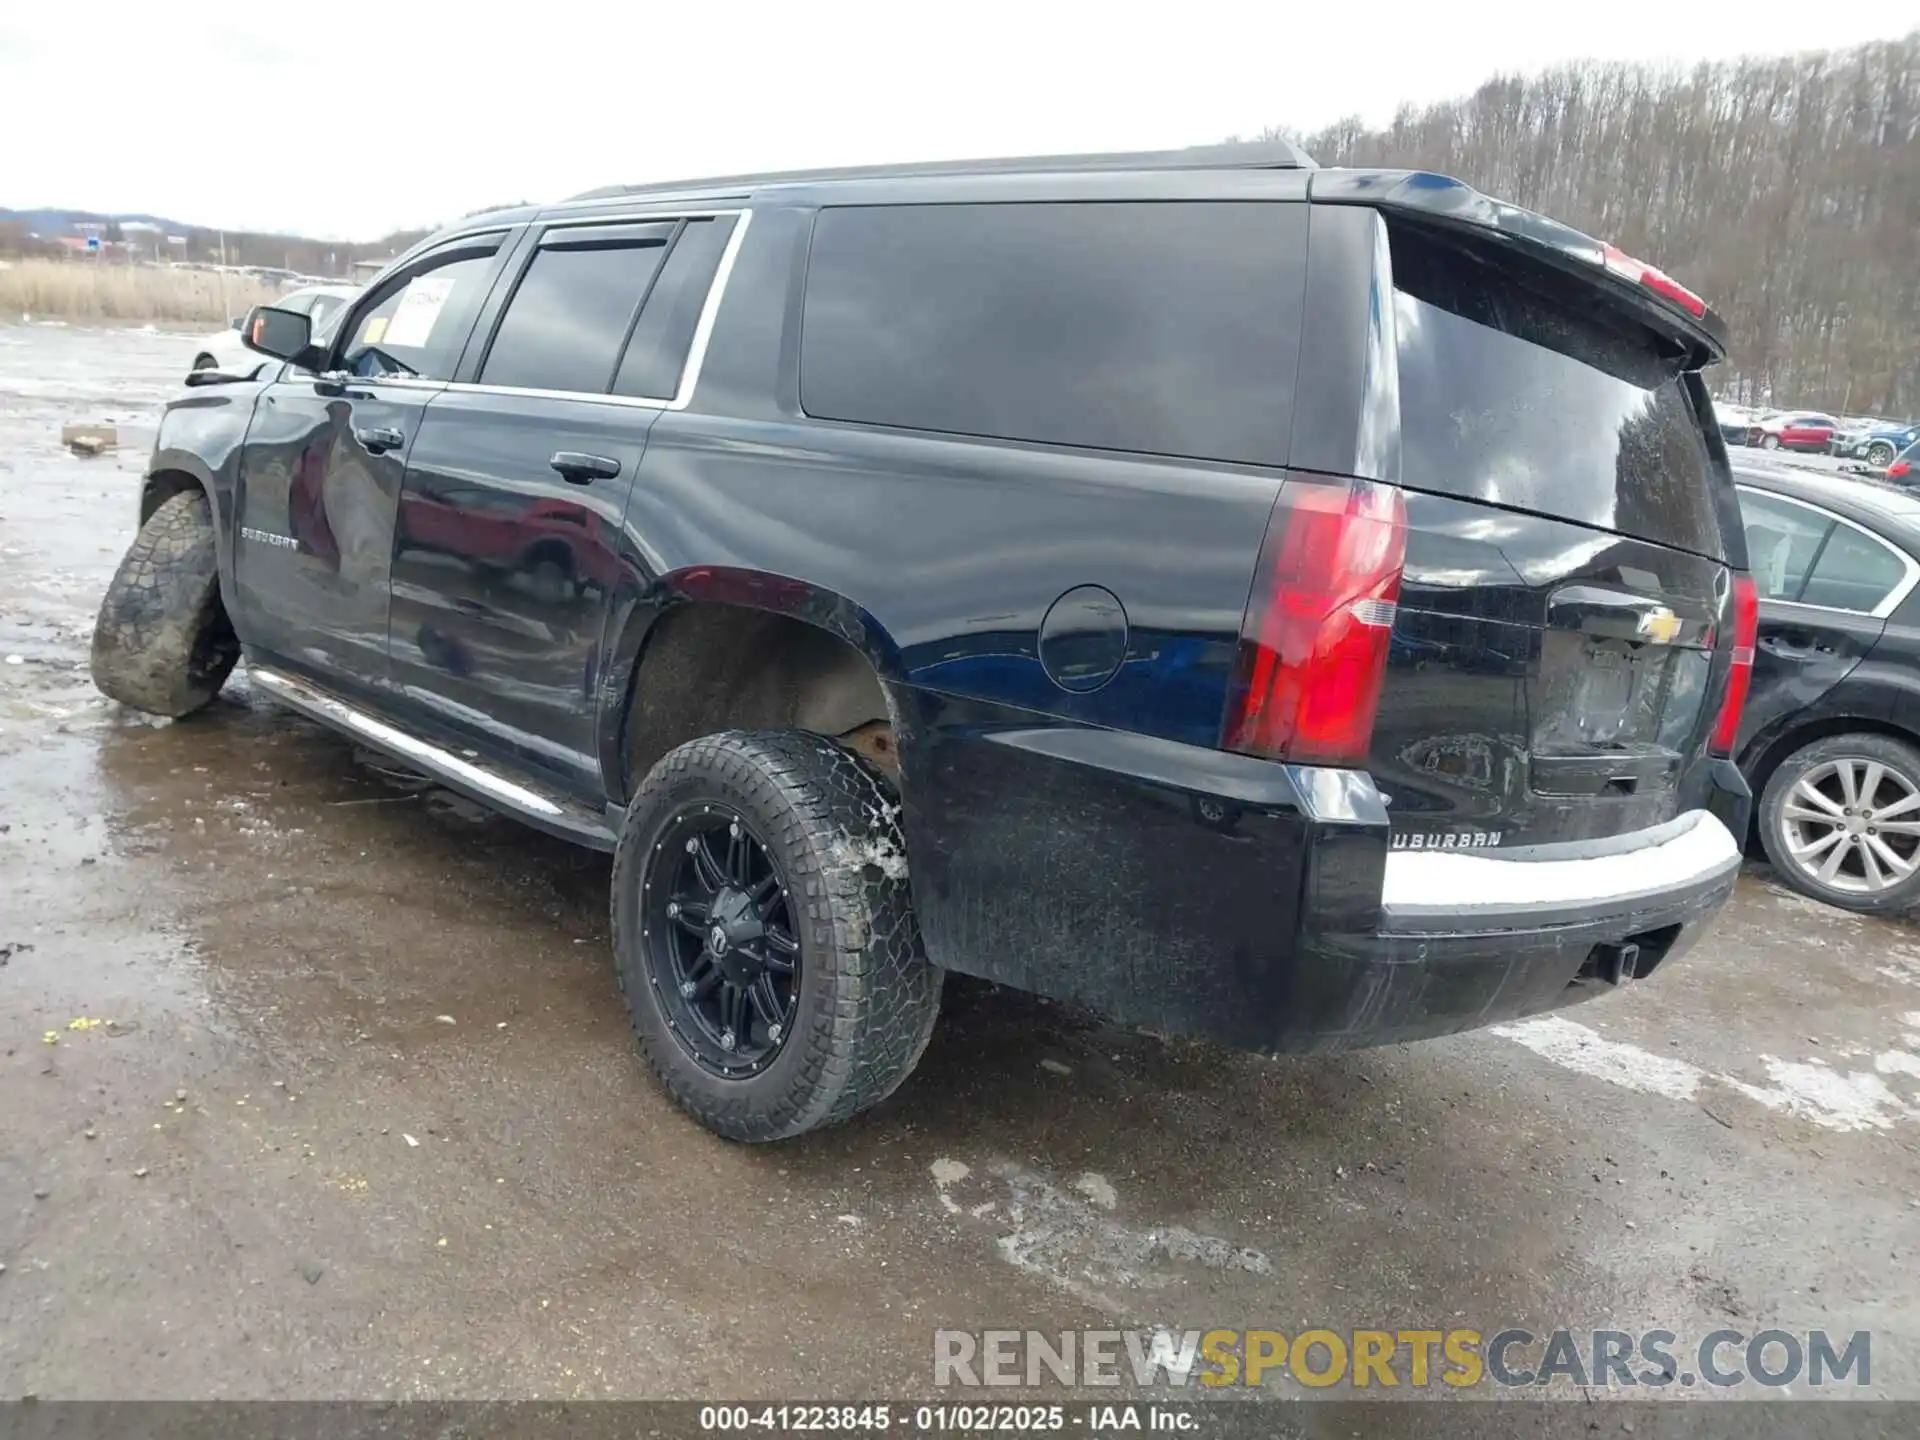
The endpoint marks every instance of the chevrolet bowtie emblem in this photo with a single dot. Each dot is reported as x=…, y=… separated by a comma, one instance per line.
x=1659, y=626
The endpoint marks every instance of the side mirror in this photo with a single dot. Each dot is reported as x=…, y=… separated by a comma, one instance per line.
x=282, y=334
x=198, y=378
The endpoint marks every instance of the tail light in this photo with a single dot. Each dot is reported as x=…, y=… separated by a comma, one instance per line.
x=1746, y=632
x=1313, y=645
x=1658, y=281
x=1897, y=469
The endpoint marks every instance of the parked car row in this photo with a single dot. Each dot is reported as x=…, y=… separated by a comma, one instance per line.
x=1874, y=441
x=1878, y=443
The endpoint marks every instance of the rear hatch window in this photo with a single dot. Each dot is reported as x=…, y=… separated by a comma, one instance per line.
x=1550, y=676
x=1517, y=390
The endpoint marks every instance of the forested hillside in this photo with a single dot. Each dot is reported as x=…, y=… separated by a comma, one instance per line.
x=1786, y=191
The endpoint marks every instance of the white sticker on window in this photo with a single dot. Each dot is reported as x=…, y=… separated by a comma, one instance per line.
x=413, y=319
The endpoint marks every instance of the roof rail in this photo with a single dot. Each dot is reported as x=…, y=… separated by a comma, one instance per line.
x=1258, y=155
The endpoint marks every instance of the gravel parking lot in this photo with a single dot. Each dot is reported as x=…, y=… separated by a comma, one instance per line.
x=316, y=1083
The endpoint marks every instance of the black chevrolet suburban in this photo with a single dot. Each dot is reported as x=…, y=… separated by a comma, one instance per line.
x=1300, y=607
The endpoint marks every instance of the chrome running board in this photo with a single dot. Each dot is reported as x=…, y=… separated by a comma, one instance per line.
x=482, y=784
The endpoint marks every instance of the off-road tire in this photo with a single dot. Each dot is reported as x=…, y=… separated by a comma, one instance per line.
x=163, y=642
x=868, y=995
x=1880, y=454
x=1897, y=756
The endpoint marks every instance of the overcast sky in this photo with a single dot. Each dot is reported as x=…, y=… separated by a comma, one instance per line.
x=353, y=119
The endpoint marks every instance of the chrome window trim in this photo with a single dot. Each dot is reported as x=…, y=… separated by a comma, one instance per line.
x=702, y=330
x=1890, y=602
x=636, y=402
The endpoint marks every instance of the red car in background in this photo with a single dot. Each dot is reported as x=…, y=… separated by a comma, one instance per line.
x=1794, y=430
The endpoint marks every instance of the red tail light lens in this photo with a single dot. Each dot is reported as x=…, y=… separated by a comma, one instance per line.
x=1897, y=469
x=1313, y=646
x=1746, y=632
x=1658, y=281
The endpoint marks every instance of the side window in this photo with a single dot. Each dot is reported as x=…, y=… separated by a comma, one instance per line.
x=418, y=322
x=1165, y=327
x=1854, y=572
x=657, y=353
x=1783, y=540
x=323, y=310
x=573, y=307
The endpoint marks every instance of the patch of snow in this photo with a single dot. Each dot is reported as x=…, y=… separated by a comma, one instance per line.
x=946, y=1174
x=1061, y=1238
x=1812, y=1090
x=1837, y=1100
x=1897, y=1062
x=1098, y=1189
x=879, y=851
x=1575, y=1047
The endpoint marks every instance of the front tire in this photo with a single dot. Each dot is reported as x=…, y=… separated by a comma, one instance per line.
x=1880, y=454
x=1840, y=820
x=764, y=934
x=1769, y=442
x=163, y=642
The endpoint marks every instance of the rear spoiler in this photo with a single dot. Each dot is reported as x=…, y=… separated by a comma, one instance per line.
x=1654, y=297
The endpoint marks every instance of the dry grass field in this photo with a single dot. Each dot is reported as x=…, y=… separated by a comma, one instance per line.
x=92, y=290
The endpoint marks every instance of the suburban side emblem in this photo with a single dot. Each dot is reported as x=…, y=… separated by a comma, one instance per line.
x=1459, y=840
x=267, y=537
x=1659, y=626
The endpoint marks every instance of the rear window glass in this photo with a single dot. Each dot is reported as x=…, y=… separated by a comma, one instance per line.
x=1512, y=396
x=1165, y=328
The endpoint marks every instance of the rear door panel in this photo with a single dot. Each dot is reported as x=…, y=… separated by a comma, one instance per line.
x=1800, y=554
x=1523, y=704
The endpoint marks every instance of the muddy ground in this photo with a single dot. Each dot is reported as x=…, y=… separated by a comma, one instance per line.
x=363, y=1118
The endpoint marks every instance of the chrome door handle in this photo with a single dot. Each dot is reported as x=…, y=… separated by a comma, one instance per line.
x=580, y=469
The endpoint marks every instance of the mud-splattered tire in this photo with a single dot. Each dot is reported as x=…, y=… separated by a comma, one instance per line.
x=866, y=994
x=163, y=642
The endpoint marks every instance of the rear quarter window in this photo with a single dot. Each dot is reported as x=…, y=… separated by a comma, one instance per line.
x=1511, y=395
x=1159, y=327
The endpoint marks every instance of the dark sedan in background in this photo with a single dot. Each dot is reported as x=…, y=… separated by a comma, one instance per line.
x=1830, y=742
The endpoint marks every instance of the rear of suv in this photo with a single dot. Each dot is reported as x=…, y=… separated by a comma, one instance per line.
x=1303, y=608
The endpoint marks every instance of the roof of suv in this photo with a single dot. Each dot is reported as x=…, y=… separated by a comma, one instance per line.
x=1433, y=199
x=1262, y=155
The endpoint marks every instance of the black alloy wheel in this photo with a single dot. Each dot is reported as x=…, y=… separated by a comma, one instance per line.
x=764, y=935
x=720, y=942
